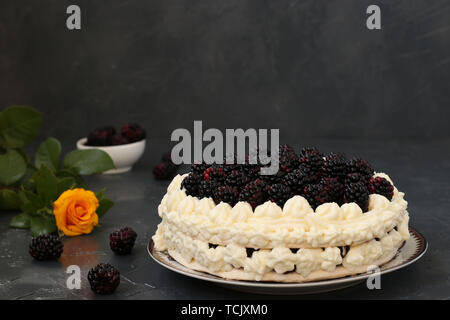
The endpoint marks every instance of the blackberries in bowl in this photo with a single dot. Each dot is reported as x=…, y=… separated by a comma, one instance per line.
x=107, y=136
x=124, y=147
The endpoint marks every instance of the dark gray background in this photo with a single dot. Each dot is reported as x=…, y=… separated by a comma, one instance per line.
x=310, y=68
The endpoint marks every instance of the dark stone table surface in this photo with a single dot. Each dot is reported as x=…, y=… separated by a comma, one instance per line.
x=420, y=168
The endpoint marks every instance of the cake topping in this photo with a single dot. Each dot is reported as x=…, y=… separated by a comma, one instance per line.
x=309, y=174
x=381, y=186
x=358, y=193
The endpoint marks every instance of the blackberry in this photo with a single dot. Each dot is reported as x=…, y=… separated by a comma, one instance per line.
x=288, y=159
x=316, y=194
x=206, y=188
x=191, y=184
x=251, y=170
x=297, y=180
x=381, y=186
x=233, y=165
x=226, y=194
x=274, y=178
x=358, y=165
x=215, y=173
x=312, y=160
x=353, y=178
x=357, y=192
x=46, y=247
x=133, y=132
x=118, y=139
x=254, y=193
x=278, y=193
x=334, y=188
x=228, y=168
x=122, y=241
x=164, y=170
x=335, y=165
x=198, y=168
x=236, y=178
x=101, y=136
x=104, y=278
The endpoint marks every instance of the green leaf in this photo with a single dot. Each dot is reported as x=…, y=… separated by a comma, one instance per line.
x=31, y=202
x=46, y=184
x=100, y=194
x=18, y=126
x=104, y=205
x=24, y=155
x=9, y=199
x=12, y=167
x=21, y=221
x=48, y=153
x=65, y=184
x=87, y=162
x=26, y=181
x=80, y=183
x=42, y=224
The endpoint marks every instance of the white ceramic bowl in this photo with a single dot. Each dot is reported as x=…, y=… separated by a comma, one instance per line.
x=124, y=156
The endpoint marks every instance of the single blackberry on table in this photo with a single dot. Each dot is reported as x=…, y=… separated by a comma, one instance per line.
x=358, y=165
x=236, y=178
x=133, y=132
x=316, y=195
x=207, y=187
x=164, y=170
x=191, y=184
x=101, y=136
x=226, y=194
x=357, y=192
x=46, y=247
x=297, y=180
x=104, y=278
x=122, y=241
x=335, y=165
x=312, y=160
x=381, y=186
x=253, y=193
x=334, y=188
x=278, y=193
x=288, y=159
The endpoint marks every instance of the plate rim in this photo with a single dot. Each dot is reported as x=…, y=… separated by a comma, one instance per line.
x=421, y=250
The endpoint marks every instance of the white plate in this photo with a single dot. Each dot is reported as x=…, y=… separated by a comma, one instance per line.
x=412, y=250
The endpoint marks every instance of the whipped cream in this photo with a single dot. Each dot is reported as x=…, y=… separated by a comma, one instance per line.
x=279, y=259
x=326, y=238
x=296, y=225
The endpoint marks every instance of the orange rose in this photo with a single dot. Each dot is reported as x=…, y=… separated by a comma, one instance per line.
x=75, y=212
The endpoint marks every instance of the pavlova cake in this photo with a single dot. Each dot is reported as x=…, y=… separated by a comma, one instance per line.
x=319, y=217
